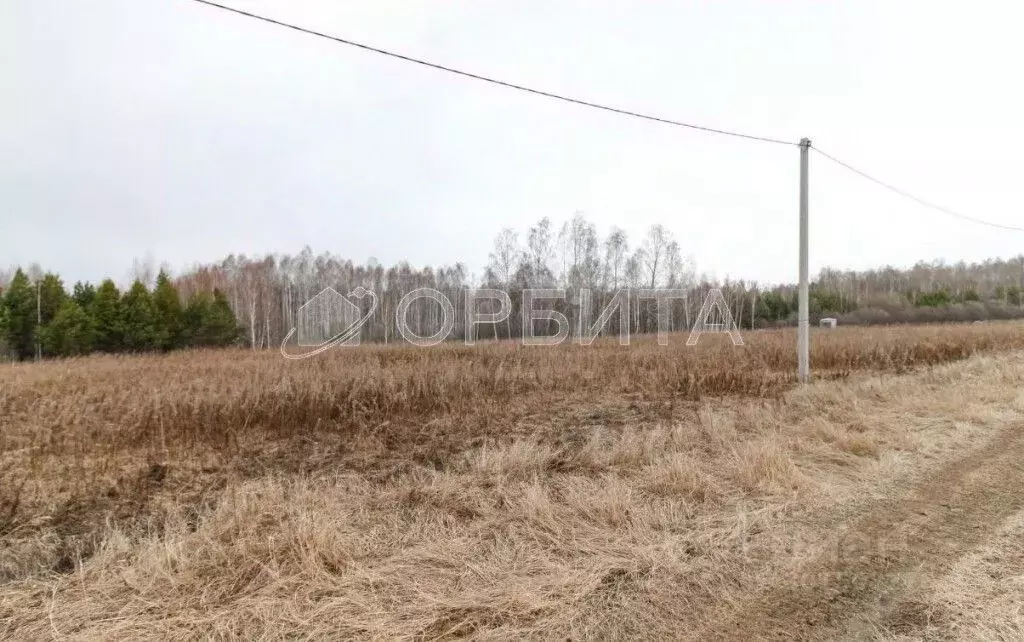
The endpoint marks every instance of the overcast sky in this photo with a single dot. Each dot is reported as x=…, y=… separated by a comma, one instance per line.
x=170, y=128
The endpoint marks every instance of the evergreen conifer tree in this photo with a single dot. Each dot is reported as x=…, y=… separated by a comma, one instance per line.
x=51, y=295
x=20, y=316
x=169, y=313
x=209, y=321
x=223, y=326
x=71, y=332
x=195, y=315
x=105, y=311
x=83, y=294
x=142, y=330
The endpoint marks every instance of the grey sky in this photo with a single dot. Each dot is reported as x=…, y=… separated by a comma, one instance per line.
x=170, y=128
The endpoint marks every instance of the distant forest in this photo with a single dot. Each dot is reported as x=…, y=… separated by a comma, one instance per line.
x=255, y=301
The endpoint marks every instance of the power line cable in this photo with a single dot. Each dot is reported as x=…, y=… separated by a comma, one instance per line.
x=918, y=200
x=615, y=110
x=494, y=81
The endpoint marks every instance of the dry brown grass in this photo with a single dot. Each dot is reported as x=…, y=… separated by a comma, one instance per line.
x=495, y=491
x=979, y=598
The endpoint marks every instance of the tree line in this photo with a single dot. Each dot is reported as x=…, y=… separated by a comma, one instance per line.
x=40, y=318
x=265, y=294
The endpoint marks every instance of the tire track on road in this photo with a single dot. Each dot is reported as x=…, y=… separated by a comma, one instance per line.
x=920, y=531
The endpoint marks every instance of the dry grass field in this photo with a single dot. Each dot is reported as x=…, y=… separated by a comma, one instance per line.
x=502, y=491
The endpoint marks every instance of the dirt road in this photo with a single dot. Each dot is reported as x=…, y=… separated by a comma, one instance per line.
x=875, y=586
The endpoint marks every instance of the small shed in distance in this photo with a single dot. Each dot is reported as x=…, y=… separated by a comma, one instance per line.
x=827, y=322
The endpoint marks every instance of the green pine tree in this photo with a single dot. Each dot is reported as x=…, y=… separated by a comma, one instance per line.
x=83, y=294
x=209, y=321
x=20, y=316
x=71, y=332
x=223, y=326
x=4, y=348
x=142, y=331
x=169, y=313
x=194, y=320
x=105, y=311
x=51, y=297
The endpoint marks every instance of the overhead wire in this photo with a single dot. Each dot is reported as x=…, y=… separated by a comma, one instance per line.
x=603, y=107
x=495, y=81
x=916, y=199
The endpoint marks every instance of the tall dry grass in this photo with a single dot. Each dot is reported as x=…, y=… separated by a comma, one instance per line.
x=213, y=397
x=402, y=491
